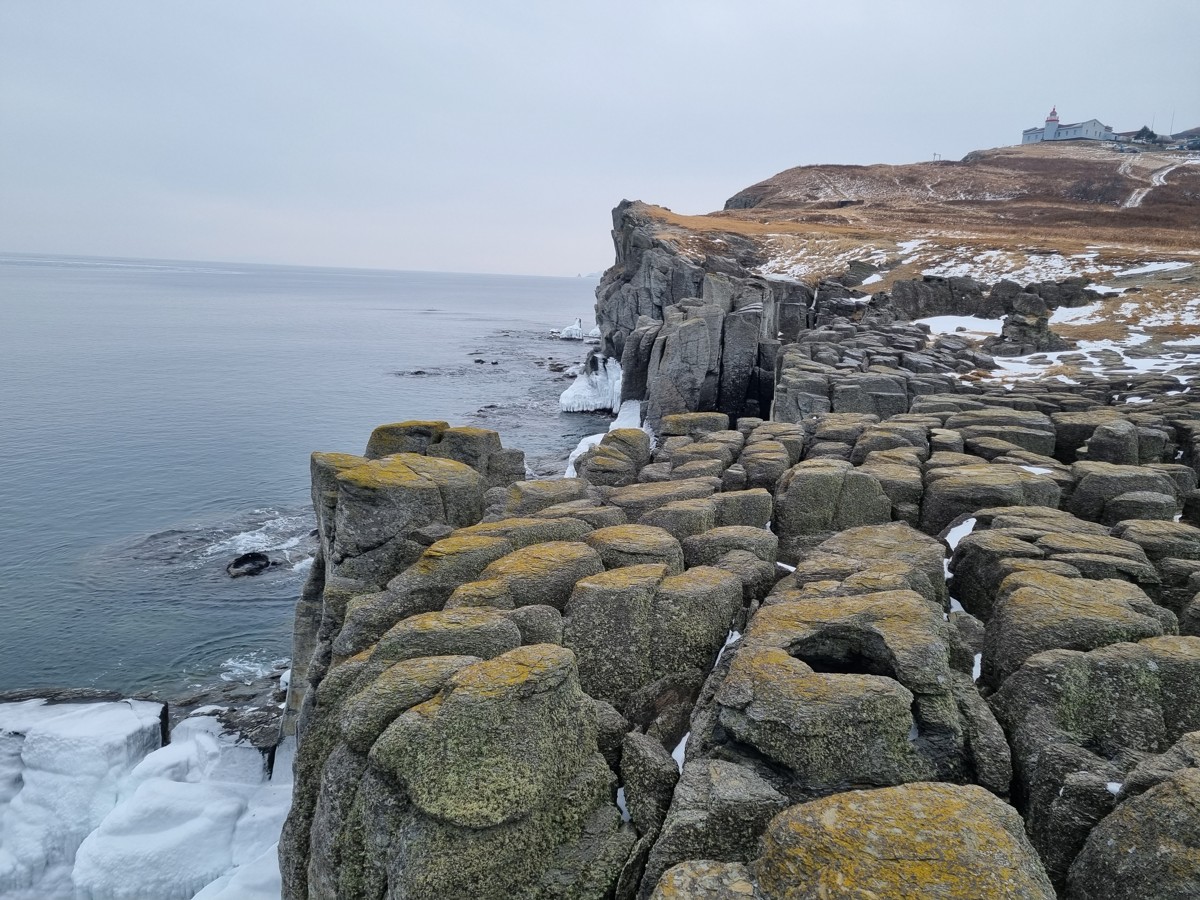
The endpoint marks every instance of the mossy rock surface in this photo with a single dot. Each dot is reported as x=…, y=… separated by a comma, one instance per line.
x=950, y=842
x=691, y=616
x=608, y=624
x=693, y=424
x=961, y=490
x=705, y=879
x=500, y=739
x=803, y=720
x=634, y=545
x=528, y=497
x=404, y=437
x=1039, y=610
x=545, y=573
x=707, y=549
x=452, y=632
x=367, y=713
x=752, y=507
x=1148, y=847
x=683, y=518
x=637, y=499
x=589, y=511
x=524, y=531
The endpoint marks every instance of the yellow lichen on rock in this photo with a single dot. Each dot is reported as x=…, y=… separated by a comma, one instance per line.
x=927, y=840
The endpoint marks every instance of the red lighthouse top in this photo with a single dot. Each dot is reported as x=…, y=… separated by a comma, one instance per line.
x=1053, y=117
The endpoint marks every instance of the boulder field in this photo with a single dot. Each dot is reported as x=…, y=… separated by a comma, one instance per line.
x=916, y=642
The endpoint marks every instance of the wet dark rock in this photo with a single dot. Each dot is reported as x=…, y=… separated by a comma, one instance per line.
x=253, y=563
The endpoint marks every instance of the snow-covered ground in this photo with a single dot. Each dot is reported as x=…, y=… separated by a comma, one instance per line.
x=1098, y=357
x=969, y=326
x=94, y=807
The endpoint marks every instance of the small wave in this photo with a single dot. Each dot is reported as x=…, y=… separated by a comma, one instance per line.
x=252, y=667
x=280, y=533
x=286, y=535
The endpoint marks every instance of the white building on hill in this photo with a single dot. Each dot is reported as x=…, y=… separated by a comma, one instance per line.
x=1091, y=130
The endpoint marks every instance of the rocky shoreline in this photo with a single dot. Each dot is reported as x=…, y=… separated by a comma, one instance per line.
x=915, y=635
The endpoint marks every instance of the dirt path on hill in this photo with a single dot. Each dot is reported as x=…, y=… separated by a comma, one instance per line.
x=1158, y=178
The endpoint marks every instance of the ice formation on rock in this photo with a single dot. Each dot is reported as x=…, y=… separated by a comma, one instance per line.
x=93, y=805
x=597, y=387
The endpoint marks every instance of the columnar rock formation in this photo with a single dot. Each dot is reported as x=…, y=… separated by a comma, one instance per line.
x=698, y=333
x=923, y=638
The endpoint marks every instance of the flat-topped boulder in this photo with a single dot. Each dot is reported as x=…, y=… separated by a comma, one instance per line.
x=1073, y=429
x=764, y=462
x=1161, y=540
x=423, y=587
x=539, y=574
x=1038, y=611
x=894, y=542
x=593, y=512
x=525, y=531
x=1099, y=482
x=683, y=518
x=525, y=498
x=960, y=490
x=376, y=504
x=695, y=424
x=706, y=549
x=366, y=714
x=479, y=448
x=638, y=499
x=817, y=498
x=893, y=636
x=453, y=632
x=404, y=437
x=632, y=545
x=636, y=625
x=500, y=775
x=950, y=842
x=799, y=718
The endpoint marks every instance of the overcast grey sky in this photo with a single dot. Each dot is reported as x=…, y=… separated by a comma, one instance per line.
x=496, y=136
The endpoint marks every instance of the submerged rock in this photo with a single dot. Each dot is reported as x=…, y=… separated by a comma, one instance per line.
x=253, y=563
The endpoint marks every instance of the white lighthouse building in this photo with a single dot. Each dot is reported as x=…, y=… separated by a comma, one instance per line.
x=1053, y=130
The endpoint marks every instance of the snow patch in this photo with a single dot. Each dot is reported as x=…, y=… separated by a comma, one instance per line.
x=585, y=444
x=732, y=638
x=968, y=324
x=621, y=805
x=977, y=669
x=1078, y=315
x=680, y=748
x=1151, y=267
x=960, y=531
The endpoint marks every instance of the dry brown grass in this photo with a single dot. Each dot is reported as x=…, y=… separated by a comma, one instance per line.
x=1044, y=212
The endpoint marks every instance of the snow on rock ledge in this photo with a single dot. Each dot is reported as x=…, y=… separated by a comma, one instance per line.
x=93, y=806
x=597, y=387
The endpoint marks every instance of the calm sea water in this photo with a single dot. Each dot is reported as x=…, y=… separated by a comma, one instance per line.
x=156, y=420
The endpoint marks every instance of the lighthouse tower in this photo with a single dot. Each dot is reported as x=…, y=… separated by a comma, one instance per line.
x=1051, y=124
